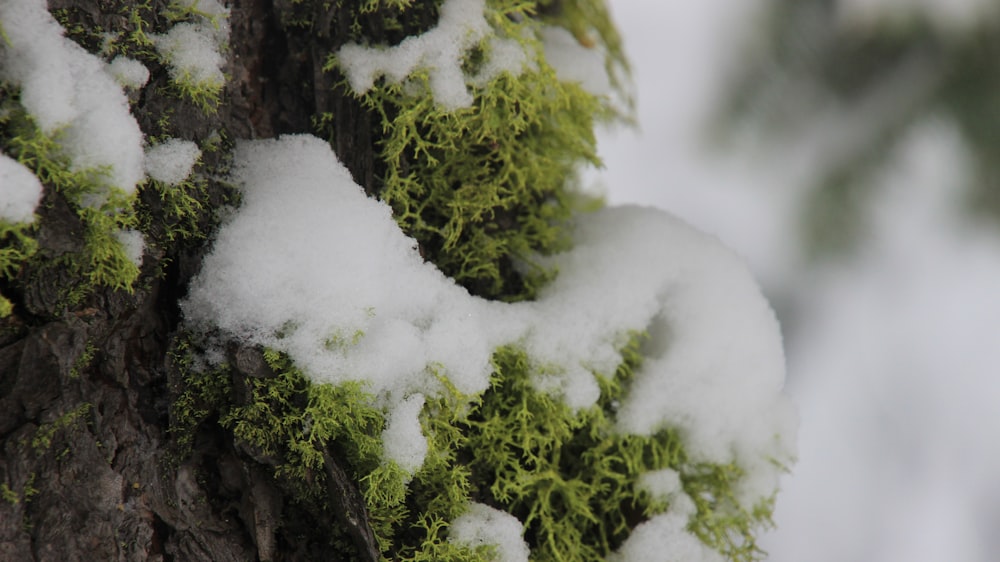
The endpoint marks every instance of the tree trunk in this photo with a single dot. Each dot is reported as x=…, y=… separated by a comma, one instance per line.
x=88, y=468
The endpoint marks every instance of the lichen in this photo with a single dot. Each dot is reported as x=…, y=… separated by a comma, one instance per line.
x=569, y=476
x=42, y=440
x=16, y=246
x=484, y=188
x=103, y=211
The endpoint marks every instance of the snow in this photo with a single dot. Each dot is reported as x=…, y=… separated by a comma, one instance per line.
x=70, y=91
x=440, y=51
x=311, y=266
x=296, y=270
x=171, y=161
x=484, y=525
x=192, y=51
x=129, y=72
x=663, y=538
x=133, y=243
x=20, y=191
x=402, y=439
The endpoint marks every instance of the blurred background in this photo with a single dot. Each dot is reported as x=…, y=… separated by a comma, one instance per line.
x=850, y=151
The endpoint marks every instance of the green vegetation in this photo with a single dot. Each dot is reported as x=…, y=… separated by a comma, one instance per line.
x=16, y=246
x=45, y=434
x=484, y=188
x=570, y=477
x=103, y=211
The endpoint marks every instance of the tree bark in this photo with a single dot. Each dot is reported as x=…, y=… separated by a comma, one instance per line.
x=88, y=468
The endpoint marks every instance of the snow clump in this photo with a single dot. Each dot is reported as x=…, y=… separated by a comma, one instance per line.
x=20, y=191
x=65, y=89
x=133, y=243
x=402, y=439
x=484, y=525
x=441, y=51
x=171, y=162
x=664, y=538
x=193, y=49
x=129, y=72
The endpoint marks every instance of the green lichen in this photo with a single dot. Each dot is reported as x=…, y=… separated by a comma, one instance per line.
x=83, y=360
x=205, y=94
x=45, y=434
x=178, y=11
x=9, y=495
x=103, y=211
x=569, y=476
x=485, y=188
x=16, y=246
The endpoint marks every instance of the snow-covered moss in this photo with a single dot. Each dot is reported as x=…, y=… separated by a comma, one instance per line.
x=104, y=211
x=480, y=141
x=652, y=352
x=192, y=49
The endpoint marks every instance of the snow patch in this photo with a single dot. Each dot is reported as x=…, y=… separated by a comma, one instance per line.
x=440, y=51
x=402, y=438
x=311, y=266
x=20, y=191
x=129, y=72
x=484, y=525
x=65, y=89
x=171, y=161
x=664, y=539
x=193, y=49
x=133, y=243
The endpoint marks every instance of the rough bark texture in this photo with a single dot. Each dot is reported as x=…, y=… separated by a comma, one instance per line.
x=87, y=465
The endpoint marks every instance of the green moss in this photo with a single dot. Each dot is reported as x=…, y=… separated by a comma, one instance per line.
x=572, y=479
x=45, y=434
x=84, y=360
x=485, y=188
x=178, y=11
x=569, y=476
x=9, y=495
x=103, y=211
x=205, y=94
x=16, y=246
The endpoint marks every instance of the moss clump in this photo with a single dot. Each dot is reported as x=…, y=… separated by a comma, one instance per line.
x=569, y=476
x=103, y=211
x=572, y=478
x=16, y=246
x=42, y=440
x=485, y=188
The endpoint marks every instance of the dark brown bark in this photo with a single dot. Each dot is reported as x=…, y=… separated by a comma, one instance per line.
x=88, y=466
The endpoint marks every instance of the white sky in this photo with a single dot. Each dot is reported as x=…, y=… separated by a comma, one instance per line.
x=893, y=358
